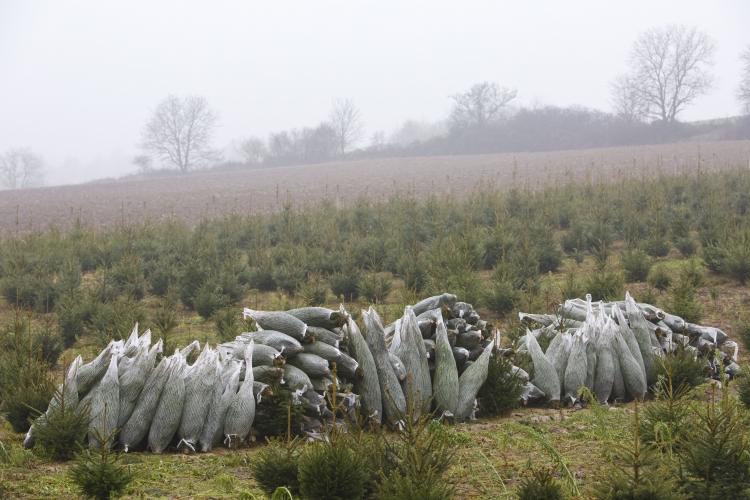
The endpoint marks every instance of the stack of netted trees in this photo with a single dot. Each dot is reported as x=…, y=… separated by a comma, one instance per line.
x=614, y=349
x=436, y=357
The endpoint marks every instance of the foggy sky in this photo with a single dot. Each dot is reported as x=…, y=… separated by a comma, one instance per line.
x=78, y=79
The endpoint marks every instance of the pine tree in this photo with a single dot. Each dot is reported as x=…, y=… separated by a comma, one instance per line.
x=62, y=430
x=715, y=454
x=639, y=476
x=97, y=472
x=540, y=486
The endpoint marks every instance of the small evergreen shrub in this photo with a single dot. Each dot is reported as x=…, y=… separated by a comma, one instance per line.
x=314, y=291
x=15, y=455
x=571, y=287
x=332, y=471
x=69, y=277
x=192, y=276
x=229, y=323
x=289, y=276
x=232, y=280
x=500, y=392
x=743, y=387
x=686, y=245
x=35, y=290
x=261, y=278
x=659, y=278
x=666, y=420
x=546, y=251
x=209, y=299
x=540, y=486
x=165, y=321
x=743, y=332
x=499, y=243
x=682, y=368
x=648, y=295
x=574, y=239
x=599, y=234
x=97, y=471
x=344, y=282
x=412, y=268
x=70, y=319
x=45, y=339
x=20, y=403
x=26, y=386
x=604, y=284
x=636, y=264
x=714, y=457
x=416, y=461
x=736, y=261
x=691, y=271
x=128, y=274
x=501, y=298
x=656, y=246
x=638, y=474
x=277, y=465
x=375, y=287
x=162, y=276
x=64, y=428
x=713, y=255
x=682, y=301
x=114, y=320
x=277, y=413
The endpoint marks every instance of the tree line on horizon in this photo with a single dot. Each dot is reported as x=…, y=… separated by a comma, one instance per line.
x=669, y=69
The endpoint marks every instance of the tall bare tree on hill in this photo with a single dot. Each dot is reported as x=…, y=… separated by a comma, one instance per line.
x=253, y=150
x=668, y=71
x=627, y=101
x=143, y=162
x=180, y=132
x=480, y=105
x=743, y=90
x=346, y=121
x=21, y=168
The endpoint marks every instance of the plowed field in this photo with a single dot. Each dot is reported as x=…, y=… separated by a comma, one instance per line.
x=199, y=195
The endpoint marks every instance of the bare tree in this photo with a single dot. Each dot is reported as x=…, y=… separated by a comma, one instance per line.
x=21, y=168
x=743, y=90
x=143, y=162
x=253, y=150
x=346, y=121
x=180, y=132
x=627, y=101
x=377, y=140
x=480, y=105
x=669, y=69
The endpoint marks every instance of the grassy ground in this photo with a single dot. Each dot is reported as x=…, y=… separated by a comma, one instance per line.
x=492, y=456
x=492, y=453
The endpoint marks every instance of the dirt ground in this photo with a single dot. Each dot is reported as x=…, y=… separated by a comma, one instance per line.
x=200, y=195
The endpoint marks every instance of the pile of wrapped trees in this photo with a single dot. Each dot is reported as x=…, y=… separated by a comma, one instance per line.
x=613, y=349
x=437, y=353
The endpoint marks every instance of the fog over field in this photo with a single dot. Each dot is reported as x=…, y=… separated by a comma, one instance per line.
x=79, y=79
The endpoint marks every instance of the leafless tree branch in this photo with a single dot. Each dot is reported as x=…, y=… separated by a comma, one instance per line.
x=627, y=101
x=480, y=105
x=669, y=70
x=143, y=162
x=21, y=168
x=346, y=121
x=180, y=132
x=743, y=90
x=253, y=150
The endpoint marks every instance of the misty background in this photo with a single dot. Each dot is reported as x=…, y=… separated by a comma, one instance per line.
x=78, y=80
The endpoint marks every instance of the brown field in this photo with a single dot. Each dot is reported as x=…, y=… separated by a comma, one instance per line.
x=200, y=195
